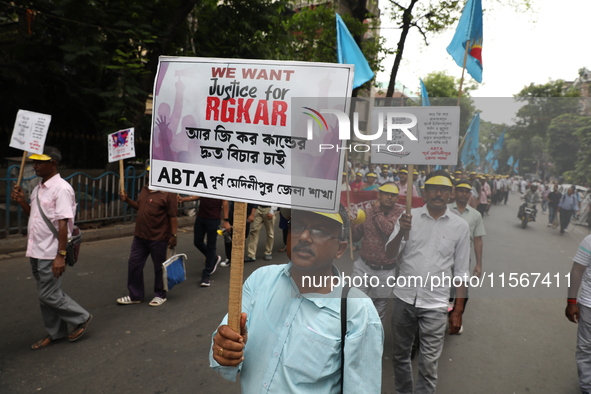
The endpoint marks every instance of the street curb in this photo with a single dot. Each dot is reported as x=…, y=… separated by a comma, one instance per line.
x=15, y=246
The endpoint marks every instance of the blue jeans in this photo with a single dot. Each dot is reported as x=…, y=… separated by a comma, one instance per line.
x=551, y=213
x=209, y=228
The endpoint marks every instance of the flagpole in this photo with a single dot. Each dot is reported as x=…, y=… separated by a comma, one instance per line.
x=463, y=70
x=347, y=191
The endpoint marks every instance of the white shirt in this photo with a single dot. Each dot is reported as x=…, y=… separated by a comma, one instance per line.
x=434, y=247
x=58, y=202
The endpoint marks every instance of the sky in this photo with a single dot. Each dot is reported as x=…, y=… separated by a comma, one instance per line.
x=548, y=43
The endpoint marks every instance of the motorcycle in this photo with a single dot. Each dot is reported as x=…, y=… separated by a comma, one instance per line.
x=527, y=214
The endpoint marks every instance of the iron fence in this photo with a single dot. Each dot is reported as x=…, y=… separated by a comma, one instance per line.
x=97, y=198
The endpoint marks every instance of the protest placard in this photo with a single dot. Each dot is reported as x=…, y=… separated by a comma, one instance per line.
x=28, y=135
x=243, y=130
x=436, y=132
x=121, y=146
x=238, y=130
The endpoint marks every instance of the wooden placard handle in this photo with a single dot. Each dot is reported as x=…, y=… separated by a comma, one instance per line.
x=21, y=170
x=237, y=266
x=409, y=194
x=121, y=176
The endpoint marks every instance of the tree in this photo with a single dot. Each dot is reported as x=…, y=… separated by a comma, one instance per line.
x=542, y=103
x=582, y=173
x=443, y=91
x=313, y=35
x=427, y=17
x=562, y=142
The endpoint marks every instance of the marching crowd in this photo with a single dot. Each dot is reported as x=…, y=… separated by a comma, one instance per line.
x=310, y=336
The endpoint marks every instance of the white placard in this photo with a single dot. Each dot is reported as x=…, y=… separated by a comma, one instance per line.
x=437, y=136
x=121, y=145
x=238, y=130
x=30, y=131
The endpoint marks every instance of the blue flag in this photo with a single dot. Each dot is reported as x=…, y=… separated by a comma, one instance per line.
x=510, y=161
x=516, y=167
x=348, y=52
x=424, y=95
x=499, y=144
x=495, y=165
x=470, y=150
x=469, y=29
x=489, y=156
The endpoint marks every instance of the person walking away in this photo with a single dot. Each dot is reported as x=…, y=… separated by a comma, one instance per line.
x=553, y=200
x=55, y=198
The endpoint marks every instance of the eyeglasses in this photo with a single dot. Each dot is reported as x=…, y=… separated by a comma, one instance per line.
x=317, y=235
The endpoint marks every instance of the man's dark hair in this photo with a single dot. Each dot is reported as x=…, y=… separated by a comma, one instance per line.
x=53, y=152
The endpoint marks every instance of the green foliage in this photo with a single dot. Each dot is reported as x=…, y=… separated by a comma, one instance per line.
x=582, y=172
x=312, y=34
x=534, y=139
x=562, y=141
x=443, y=91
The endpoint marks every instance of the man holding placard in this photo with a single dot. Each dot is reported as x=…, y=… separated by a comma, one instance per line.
x=53, y=199
x=438, y=247
x=293, y=316
x=155, y=231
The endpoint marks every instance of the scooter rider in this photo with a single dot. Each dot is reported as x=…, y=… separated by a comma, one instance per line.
x=532, y=197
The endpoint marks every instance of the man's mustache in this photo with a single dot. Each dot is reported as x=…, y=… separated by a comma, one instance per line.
x=303, y=248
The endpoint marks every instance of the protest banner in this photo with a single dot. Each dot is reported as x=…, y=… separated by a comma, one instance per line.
x=433, y=139
x=238, y=130
x=436, y=136
x=28, y=135
x=121, y=146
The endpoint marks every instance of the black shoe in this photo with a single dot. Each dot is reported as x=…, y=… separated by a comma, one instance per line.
x=249, y=259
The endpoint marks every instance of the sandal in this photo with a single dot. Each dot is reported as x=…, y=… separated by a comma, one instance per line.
x=43, y=343
x=282, y=249
x=126, y=301
x=80, y=330
x=157, y=301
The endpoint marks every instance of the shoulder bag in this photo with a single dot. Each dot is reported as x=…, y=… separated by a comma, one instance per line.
x=74, y=241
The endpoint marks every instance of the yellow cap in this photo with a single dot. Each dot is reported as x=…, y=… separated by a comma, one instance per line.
x=360, y=217
x=458, y=172
x=43, y=157
x=148, y=168
x=415, y=172
x=403, y=171
x=439, y=180
x=371, y=175
x=358, y=174
x=464, y=185
x=389, y=188
x=473, y=173
x=334, y=216
x=344, y=173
